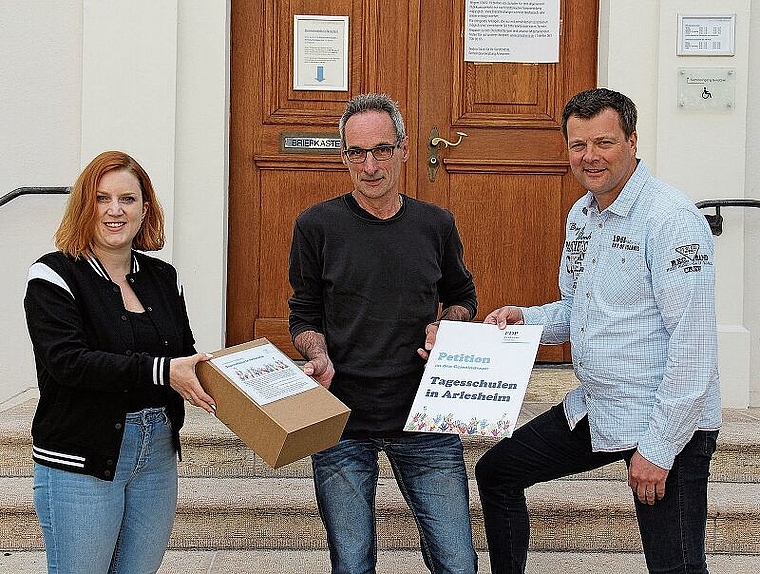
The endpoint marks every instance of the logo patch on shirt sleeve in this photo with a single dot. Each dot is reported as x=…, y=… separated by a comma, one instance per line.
x=689, y=259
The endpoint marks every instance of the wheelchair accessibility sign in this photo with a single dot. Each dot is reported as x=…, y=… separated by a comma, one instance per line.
x=709, y=89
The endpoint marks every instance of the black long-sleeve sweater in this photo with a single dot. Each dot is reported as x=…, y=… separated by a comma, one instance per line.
x=371, y=286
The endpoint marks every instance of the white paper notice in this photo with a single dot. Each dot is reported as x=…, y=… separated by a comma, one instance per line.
x=320, y=54
x=511, y=31
x=264, y=373
x=475, y=379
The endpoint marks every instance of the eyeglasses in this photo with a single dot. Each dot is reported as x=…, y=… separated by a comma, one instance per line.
x=382, y=152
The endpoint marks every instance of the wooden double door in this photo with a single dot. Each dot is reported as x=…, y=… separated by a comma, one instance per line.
x=507, y=183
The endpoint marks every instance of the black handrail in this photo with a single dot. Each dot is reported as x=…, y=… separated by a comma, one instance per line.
x=716, y=221
x=19, y=191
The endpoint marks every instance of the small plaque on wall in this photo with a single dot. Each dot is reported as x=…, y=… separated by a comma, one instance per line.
x=710, y=89
x=706, y=35
x=310, y=143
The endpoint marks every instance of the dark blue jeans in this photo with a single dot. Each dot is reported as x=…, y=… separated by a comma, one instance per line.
x=672, y=530
x=430, y=472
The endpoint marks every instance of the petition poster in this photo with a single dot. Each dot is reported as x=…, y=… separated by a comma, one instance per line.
x=475, y=379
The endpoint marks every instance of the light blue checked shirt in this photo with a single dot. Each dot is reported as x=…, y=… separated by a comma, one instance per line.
x=638, y=305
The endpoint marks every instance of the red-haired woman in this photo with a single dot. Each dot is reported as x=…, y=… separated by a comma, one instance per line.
x=115, y=359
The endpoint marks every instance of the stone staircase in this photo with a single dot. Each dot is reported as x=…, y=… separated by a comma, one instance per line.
x=230, y=500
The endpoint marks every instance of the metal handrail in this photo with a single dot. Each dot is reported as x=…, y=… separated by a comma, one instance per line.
x=716, y=221
x=19, y=191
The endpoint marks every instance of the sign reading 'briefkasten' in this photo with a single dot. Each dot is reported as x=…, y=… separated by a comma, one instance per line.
x=266, y=399
x=475, y=379
x=310, y=143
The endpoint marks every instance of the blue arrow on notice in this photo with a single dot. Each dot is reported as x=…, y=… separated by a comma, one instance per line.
x=320, y=73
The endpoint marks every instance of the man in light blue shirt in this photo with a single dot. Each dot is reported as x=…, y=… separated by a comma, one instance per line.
x=638, y=306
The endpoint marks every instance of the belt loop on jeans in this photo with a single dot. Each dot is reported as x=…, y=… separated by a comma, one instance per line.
x=150, y=414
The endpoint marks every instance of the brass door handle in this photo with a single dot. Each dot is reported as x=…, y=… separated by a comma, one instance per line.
x=436, y=141
x=433, y=146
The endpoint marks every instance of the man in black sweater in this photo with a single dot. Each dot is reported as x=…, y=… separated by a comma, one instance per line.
x=368, y=271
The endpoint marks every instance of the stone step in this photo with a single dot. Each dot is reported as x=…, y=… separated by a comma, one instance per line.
x=281, y=514
x=212, y=450
x=388, y=562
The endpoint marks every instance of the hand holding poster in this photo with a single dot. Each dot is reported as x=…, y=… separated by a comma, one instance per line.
x=475, y=379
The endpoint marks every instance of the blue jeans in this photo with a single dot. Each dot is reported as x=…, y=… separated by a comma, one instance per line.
x=119, y=527
x=430, y=472
x=672, y=530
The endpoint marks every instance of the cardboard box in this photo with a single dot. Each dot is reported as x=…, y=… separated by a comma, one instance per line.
x=282, y=431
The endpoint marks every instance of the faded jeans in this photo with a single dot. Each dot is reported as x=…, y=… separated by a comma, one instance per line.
x=672, y=530
x=430, y=472
x=119, y=527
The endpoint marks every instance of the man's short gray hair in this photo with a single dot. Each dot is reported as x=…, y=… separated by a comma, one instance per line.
x=373, y=102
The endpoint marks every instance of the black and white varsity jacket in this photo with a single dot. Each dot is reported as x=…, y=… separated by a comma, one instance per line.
x=83, y=349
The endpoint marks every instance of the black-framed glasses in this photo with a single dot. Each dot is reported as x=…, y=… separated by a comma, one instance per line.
x=382, y=152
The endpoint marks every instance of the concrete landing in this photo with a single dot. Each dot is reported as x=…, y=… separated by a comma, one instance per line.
x=313, y=562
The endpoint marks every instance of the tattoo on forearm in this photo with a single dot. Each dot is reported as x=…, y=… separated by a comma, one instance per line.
x=455, y=313
x=310, y=344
